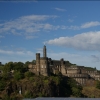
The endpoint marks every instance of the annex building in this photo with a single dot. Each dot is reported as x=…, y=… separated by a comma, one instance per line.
x=45, y=66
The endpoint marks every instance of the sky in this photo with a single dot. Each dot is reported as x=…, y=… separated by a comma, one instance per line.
x=69, y=29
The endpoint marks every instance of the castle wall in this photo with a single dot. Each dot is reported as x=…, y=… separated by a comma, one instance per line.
x=63, y=70
x=32, y=68
x=38, y=63
x=45, y=66
x=73, y=71
x=81, y=81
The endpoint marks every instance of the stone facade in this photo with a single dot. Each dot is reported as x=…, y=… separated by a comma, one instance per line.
x=45, y=66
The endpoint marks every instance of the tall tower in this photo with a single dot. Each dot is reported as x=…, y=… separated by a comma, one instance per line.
x=44, y=51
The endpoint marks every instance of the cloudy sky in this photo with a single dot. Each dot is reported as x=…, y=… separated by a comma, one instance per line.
x=70, y=30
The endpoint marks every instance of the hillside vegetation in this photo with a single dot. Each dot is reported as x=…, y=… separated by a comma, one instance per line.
x=16, y=82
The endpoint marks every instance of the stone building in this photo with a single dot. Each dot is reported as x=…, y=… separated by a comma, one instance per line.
x=45, y=66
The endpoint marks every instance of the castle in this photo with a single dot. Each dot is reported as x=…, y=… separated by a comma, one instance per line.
x=45, y=66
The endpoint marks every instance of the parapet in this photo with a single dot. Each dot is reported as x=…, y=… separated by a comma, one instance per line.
x=61, y=59
x=44, y=58
x=38, y=54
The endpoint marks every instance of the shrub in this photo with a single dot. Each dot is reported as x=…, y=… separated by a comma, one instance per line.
x=98, y=84
x=18, y=75
x=2, y=85
x=28, y=74
x=27, y=94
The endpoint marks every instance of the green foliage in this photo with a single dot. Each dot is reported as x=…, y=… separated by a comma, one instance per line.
x=76, y=92
x=41, y=95
x=33, y=61
x=2, y=85
x=55, y=85
x=19, y=67
x=1, y=67
x=28, y=74
x=8, y=66
x=26, y=65
x=46, y=81
x=72, y=82
x=6, y=97
x=68, y=63
x=90, y=68
x=56, y=79
x=31, y=78
x=27, y=94
x=18, y=75
x=5, y=75
x=98, y=84
x=75, y=87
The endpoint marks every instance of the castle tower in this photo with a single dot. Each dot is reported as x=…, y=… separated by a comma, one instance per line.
x=44, y=66
x=44, y=63
x=63, y=70
x=38, y=63
x=44, y=51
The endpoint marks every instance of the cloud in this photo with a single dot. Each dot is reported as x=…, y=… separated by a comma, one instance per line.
x=95, y=58
x=1, y=36
x=83, y=26
x=10, y=52
x=30, y=37
x=59, y=9
x=90, y=24
x=16, y=55
x=74, y=27
x=27, y=25
x=83, y=41
x=70, y=20
x=64, y=27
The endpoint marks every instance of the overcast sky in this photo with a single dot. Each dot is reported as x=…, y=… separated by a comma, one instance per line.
x=70, y=30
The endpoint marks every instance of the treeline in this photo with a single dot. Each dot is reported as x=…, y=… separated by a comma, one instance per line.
x=15, y=76
x=16, y=82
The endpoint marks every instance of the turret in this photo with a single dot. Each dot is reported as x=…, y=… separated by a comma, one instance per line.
x=44, y=51
x=62, y=61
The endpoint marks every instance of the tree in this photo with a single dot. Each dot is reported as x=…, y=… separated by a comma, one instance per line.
x=19, y=67
x=2, y=85
x=8, y=67
x=75, y=88
x=28, y=74
x=34, y=61
x=18, y=75
x=26, y=64
x=98, y=84
x=76, y=92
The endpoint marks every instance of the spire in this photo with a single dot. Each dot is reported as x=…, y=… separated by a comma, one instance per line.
x=44, y=51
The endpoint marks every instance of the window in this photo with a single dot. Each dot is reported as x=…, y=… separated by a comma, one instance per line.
x=42, y=66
